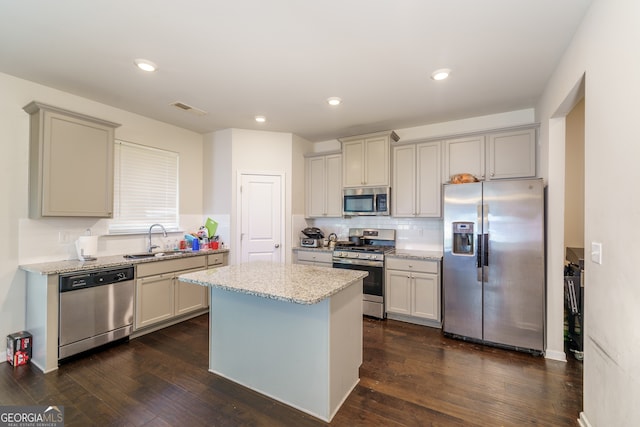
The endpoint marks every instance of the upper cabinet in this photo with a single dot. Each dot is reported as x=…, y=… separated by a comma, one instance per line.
x=324, y=186
x=417, y=180
x=464, y=155
x=71, y=163
x=511, y=154
x=366, y=160
x=508, y=154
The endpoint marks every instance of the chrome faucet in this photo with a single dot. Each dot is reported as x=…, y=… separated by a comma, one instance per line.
x=164, y=232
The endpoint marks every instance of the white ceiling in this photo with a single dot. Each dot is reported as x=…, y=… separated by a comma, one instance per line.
x=283, y=58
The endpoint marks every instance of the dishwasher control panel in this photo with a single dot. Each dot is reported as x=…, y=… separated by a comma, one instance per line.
x=88, y=279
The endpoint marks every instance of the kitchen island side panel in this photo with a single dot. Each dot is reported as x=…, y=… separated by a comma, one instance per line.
x=299, y=354
x=345, y=344
x=42, y=319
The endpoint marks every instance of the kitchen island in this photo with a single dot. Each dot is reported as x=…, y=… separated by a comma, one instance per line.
x=291, y=332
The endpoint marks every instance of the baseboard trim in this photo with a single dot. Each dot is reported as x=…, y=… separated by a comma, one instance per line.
x=555, y=355
x=583, y=420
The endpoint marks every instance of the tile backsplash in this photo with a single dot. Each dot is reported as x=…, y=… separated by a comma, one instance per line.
x=50, y=239
x=411, y=233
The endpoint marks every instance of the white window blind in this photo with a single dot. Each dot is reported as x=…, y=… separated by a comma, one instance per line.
x=145, y=188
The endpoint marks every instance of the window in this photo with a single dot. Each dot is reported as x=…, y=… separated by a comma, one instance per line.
x=145, y=188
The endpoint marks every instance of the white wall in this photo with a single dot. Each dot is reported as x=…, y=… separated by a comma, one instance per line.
x=604, y=49
x=236, y=151
x=574, y=178
x=26, y=240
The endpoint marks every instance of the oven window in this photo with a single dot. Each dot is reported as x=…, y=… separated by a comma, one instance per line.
x=373, y=284
x=360, y=203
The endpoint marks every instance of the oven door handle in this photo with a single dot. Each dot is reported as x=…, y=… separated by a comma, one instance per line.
x=341, y=261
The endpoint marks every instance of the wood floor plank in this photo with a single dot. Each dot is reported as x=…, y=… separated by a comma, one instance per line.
x=411, y=376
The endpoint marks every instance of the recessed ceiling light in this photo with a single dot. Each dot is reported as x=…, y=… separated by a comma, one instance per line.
x=440, y=74
x=334, y=100
x=145, y=65
x=261, y=119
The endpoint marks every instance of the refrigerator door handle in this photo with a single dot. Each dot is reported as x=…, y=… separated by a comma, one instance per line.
x=485, y=248
x=479, y=257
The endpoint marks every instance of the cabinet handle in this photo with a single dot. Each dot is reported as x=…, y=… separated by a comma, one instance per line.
x=493, y=174
x=277, y=245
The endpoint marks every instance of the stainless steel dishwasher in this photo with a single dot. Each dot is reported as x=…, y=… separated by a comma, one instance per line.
x=96, y=308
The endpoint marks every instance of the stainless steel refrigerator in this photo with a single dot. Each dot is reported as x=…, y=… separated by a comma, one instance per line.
x=493, y=264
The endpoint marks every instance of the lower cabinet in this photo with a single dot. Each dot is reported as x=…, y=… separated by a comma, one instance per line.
x=317, y=258
x=155, y=298
x=161, y=298
x=413, y=291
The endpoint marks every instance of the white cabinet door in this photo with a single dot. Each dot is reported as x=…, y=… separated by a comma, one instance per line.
x=426, y=296
x=353, y=163
x=324, y=186
x=428, y=180
x=398, y=292
x=154, y=299
x=58, y=139
x=413, y=291
x=189, y=297
x=316, y=186
x=377, y=161
x=464, y=155
x=403, y=193
x=508, y=154
x=365, y=160
x=333, y=167
x=417, y=182
x=511, y=154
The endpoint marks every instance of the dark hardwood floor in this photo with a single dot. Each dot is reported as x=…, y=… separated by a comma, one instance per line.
x=411, y=376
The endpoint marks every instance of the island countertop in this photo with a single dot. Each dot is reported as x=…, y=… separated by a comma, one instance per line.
x=301, y=284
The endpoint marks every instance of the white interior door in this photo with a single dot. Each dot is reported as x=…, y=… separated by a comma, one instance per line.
x=261, y=218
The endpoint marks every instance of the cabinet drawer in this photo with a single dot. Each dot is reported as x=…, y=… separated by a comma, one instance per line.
x=215, y=259
x=170, y=266
x=315, y=256
x=412, y=265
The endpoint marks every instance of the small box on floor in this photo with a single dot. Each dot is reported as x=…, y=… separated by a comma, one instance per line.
x=19, y=348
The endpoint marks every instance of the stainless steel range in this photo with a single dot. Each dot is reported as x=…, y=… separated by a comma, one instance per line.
x=365, y=251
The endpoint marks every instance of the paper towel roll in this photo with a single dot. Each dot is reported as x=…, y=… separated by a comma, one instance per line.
x=87, y=247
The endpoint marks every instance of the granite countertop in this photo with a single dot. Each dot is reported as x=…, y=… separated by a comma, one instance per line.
x=304, y=248
x=397, y=253
x=301, y=284
x=415, y=254
x=68, y=266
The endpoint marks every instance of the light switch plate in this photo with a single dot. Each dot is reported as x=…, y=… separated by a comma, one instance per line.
x=596, y=252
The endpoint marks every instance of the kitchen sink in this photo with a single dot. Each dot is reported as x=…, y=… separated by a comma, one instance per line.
x=143, y=255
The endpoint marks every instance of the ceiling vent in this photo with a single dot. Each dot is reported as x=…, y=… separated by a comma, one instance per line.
x=188, y=108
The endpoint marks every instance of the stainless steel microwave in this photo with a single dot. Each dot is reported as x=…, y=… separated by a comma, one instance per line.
x=366, y=201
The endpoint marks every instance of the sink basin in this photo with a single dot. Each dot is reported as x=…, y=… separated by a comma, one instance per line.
x=143, y=255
